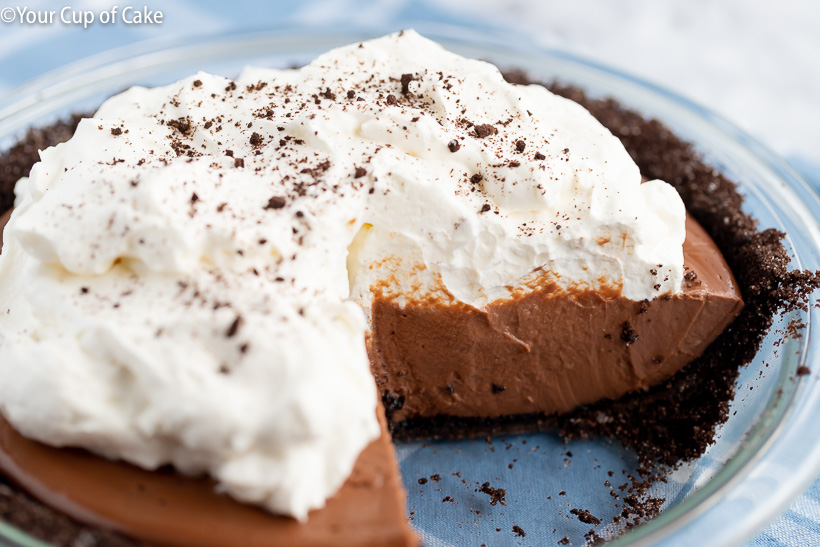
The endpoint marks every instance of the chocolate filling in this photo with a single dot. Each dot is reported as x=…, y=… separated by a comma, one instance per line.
x=548, y=350
x=170, y=509
x=673, y=421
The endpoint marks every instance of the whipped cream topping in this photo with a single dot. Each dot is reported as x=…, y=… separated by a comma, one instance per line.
x=186, y=280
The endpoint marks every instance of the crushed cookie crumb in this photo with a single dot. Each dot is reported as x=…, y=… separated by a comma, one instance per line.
x=497, y=495
x=276, y=202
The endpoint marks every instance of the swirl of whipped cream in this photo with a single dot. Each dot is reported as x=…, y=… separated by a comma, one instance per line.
x=186, y=280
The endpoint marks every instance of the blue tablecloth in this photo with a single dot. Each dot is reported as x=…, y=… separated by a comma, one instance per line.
x=27, y=51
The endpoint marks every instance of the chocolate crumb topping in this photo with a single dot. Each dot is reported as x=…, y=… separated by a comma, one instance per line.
x=496, y=494
x=116, y=131
x=405, y=83
x=586, y=517
x=454, y=145
x=360, y=172
x=276, y=202
x=181, y=124
x=234, y=328
x=519, y=532
x=485, y=130
x=628, y=334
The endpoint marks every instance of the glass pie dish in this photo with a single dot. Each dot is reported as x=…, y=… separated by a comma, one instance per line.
x=763, y=456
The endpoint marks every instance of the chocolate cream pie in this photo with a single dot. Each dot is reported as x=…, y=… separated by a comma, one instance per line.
x=202, y=283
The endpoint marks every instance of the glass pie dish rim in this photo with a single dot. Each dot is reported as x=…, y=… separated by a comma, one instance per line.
x=58, y=89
